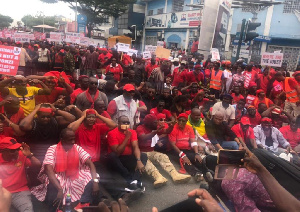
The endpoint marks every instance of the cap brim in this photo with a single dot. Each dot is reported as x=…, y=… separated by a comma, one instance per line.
x=129, y=90
x=15, y=146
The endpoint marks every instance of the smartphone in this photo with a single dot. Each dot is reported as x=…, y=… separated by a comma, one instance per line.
x=231, y=157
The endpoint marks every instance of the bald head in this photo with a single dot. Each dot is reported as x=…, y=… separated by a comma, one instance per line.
x=195, y=115
x=218, y=118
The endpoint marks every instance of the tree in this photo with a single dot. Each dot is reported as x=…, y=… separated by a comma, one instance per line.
x=97, y=11
x=5, y=21
x=31, y=21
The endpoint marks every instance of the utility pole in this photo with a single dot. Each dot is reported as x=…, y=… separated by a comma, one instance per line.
x=240, y=39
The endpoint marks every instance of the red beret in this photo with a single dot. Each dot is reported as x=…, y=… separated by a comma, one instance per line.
x=183, y=115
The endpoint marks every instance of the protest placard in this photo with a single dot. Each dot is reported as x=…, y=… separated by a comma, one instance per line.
x=85, y=41
x=215, y=55
x=23, y=37
x=9, y=60
x=123, y=47
x=160, y=43
x=150, y=48
x=72, y=37
x=147, y=55
x=271, y=59
x=55, y=37
x=132, y=51
x=162, y=52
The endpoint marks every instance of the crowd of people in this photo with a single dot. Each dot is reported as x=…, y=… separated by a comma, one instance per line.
x=74, y=116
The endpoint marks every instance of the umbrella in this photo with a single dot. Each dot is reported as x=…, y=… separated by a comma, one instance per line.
x=44, y=26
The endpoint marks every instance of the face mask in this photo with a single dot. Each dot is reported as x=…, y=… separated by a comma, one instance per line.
x=125, y=127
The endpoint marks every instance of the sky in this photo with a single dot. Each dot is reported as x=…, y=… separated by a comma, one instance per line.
x=16, y=9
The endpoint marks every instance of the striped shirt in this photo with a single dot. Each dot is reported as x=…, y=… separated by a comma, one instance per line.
x=75, y=187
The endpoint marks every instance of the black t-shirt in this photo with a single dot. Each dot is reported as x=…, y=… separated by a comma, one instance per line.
x=218, y=133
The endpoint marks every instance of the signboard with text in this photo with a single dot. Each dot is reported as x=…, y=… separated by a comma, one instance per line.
x=146, y=55
x=23, y=37
x=150, y=48
x=215, y=55
x=271, y=59
x=132, y=51
x=9, y=60
x=72, y=37
x=55, y=37
x=123, y=47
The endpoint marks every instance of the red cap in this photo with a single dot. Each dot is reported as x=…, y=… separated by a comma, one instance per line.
x=265, y=119
x=128, y=87
x=259, y=91
x=82, y=77
x=161, y=116
x=276, y=111
x=296, y=73
x=252, y=84
x=183, y=115
x=251, y=106
x=18, y=42
x=90, y=111
x=245, y=121
x=9, y=143
x=197, y=66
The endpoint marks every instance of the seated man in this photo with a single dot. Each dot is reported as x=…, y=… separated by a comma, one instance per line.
x=292, y=134
x=161, y=109
x=14, y=159
x=148, y=136
x=67, y=169
x=270, y=138
x=217, y=131
x=88, y=132
x=226, y=109
x=124, y=154
x=240, y=110
x=182, y=140
x=245, y=133
x=253, y=115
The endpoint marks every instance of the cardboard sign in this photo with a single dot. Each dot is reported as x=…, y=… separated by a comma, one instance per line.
x=72, y=37
x=23, y=37
x=123, y=47
x=162, y=52
x=55, y=37
x=150, y=48
x=271, y=59
x=132, y=51
x=147, y=55
x=9, y=60
x=215, y=55
x=160, y=43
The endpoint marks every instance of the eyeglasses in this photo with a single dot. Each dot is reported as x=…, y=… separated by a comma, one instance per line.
x=125, y=122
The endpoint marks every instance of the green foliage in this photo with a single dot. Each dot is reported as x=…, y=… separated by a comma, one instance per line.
x=31, y=21
x=5, y=21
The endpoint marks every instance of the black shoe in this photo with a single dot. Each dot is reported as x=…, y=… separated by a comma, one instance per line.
x=132, y=196
x=141, y=186
x=132, y=186
x=198, y=177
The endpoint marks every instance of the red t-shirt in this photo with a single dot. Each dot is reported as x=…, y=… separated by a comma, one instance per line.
x=126, y=60
x=263, y=82
x=250, y=100
x=181, y=138
x=179, y=77
x=49, y=98
x=145, y=146
x=117, y=71
x=251, y=76
x=75, y=94
x=90, y=139
x=103, y=58
x=292, y=137
x=254, y=121
x=203, y=102
x=249, y=134
x=207, y=73
x=13, y=173
x=116, y=137
x=166, y=112
x=236, y=99
x=192, y=77
x=16, y=118
x=149, y=68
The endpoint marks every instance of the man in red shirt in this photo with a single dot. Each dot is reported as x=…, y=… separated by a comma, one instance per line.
x=161, y=109
x=195, y=76
x=14, y=159
x=148, y=137
x=152, y=65
x=104, y=58
x=250, y=76
x=292, y=134
x=179, y=74
x=182, y=140
x=84, y=85
x=245, y=133
x=253, y=116
x=251, y=94
x=195, y=44
x=88, y=132
x=261, y=98
x=263, y=80
x=116, y=69
x=124, y=155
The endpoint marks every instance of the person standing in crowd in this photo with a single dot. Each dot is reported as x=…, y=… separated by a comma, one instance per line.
x=157, y=76
x=250, y=76
x=59, y=58
x=227, y=77
x=195, y=76
x=91, y=62
x=69, y=61
x=149, y=68
x=116, y=69
x=84, y=85
x=179, y=74
x=44, y=58
x=216, y=79
x=24, y=57
x=139, y=70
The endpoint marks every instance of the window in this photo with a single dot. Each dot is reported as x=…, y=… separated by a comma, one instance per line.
x=291, y=5
x=177, y=6
x=160, y=11
x=150, y=12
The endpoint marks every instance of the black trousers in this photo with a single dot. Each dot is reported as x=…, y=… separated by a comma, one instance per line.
x=196, y=165
x=188, y=205
x=126, y=164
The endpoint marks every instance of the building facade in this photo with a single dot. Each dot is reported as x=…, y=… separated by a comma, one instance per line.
x=175, y=21
x=279, y=30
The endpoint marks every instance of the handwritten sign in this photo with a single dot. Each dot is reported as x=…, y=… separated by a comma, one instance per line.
x=23, y=37
x=72, y=37
x=132, y=51
x=271, y=59
x=162, y=52
x=123, y=47
x=9, y=60
x=150, y=48
x=215, y=55
x=55, y=37
x=147, y=55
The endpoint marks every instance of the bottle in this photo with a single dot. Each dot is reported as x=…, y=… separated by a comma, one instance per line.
x=68, y=207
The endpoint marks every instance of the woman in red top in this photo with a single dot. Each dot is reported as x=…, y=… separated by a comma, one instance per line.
x=261, y=98
x=116, y=69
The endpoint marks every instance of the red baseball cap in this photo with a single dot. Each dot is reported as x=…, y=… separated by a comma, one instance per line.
x=183, y=115
x=129, y=87
x=9, y=143
x=252, y=84
x=265, y=119
x=245, y=121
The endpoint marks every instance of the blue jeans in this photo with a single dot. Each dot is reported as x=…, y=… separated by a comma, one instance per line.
x=230, y=145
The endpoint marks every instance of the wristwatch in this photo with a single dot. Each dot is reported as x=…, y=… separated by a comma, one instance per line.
x=96, y=180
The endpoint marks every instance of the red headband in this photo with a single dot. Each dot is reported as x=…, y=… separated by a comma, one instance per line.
x=90, y=111
x=46, y=110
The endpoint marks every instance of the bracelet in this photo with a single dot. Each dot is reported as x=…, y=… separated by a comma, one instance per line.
x=180, y=154
x=30, y=156
x=183, y=156
x=138, y=159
